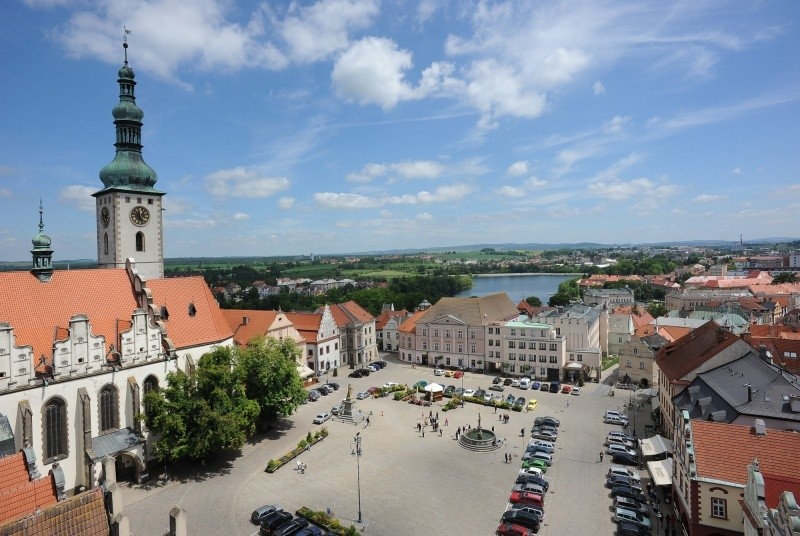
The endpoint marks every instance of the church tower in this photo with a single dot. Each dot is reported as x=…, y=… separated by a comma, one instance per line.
x=129, y=220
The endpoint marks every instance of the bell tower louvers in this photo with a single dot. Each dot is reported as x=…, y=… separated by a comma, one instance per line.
x=128, y=208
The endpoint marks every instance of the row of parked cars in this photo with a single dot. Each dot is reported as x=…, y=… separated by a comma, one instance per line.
x=322, y=390
x=526, y=383
x=526, y=513
x=275, y=521
x=375, y=366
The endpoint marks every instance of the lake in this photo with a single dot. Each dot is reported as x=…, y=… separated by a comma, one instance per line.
x=518, y=287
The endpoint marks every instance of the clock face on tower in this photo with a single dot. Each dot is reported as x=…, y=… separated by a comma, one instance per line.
x=104, y=217
x=140, y=215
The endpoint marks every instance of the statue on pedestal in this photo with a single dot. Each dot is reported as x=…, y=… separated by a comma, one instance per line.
x=349, y=392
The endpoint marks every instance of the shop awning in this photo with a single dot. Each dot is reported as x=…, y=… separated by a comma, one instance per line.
x=655, y=402
x=304, y=371
x=661, y=472
x=655, y=446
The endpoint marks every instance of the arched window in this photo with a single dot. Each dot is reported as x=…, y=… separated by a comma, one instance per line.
x=150, y=385
x=140, y=241
x=109, y=408
x=55, y=430
x=105, y=244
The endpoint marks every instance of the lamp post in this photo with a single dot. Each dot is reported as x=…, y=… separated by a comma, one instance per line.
x=357, y=452
x=462, y=387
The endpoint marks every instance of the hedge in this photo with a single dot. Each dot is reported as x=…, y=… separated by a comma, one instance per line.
x=302, y=446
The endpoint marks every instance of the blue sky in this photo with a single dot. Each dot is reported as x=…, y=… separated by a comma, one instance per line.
x=339, y=126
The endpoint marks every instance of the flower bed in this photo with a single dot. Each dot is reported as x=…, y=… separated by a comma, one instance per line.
x=330, y=523
x=302, y=446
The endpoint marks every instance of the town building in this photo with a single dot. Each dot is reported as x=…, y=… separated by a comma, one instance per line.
x=637, y=360
x=357, y=334
x=704, y=348
x=387, y=325
x=689, y=299
x=608, y=297
x=711, y=472
x=620, y=331
x=769, y=506
x=322, y=339
x=530, y=349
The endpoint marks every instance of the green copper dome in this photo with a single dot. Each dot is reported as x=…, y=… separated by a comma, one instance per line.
x=128, y=170
x=41, y=241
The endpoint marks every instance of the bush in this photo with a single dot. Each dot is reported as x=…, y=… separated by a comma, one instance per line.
x=335, y=372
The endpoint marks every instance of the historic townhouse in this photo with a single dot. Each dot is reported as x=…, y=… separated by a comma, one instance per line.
x=530, y=349
x=387, y=326
x=322, y=338
x=637, y=360
x=357, y=333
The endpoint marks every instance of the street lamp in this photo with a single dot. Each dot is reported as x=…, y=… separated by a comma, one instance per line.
x=462, y=386
x=357, y=452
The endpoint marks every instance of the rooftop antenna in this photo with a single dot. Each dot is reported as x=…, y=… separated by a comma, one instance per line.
x=125, y=33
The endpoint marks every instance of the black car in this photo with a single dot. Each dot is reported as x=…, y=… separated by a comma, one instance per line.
x=365, y=371
x=311, y=530
x=621, y=458
x=497, y=380
x=631, y=529
x=521, y=517
x=480, y=393
x=535, y=510
x=616, y=480
x=533, y=479
x=273, y=521
x=547, y=421
x=629, y=492
x=332, y=385
x=379, y=364
x=449, y=390
x=507, y=382
x=356, y=374
x=290, y=528
x=313, y=395
x=259, y=514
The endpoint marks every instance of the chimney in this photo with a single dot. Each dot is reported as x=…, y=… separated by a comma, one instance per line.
x=245, y=320
x=749, y=393
x=762, y=352
x=759, y=427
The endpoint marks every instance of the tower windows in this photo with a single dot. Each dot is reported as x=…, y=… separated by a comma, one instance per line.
x=105, y=243
x=55, y=430
x=109, y=408
x=140, y=241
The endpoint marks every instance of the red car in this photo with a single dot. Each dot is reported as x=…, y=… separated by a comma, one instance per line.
x=458, y=374
x=509, y=529
x=526, y=497
x=567, y=389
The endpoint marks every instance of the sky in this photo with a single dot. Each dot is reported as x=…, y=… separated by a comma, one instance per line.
x=339, y=126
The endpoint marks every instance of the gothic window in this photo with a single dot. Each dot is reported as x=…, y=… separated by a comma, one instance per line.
x=140, y=241
x=55, y=430
x=150, y=385
x=109, y=408
x=105, y=244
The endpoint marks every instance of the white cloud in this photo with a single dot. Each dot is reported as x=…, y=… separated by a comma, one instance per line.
x=511, y=191
x=286, y=203
x=497, y=90
x=518, y=168
x=386, y=213
x=425, y=216
x=534, y=182
x=340, y=200
x=442, y=194
x=79, y=196
x=372, y=71
x=241, y=216
x=736, y=171
x=648, y=194
x=409, y=169
x=616, y=124
x=193, y=224
x=317, y=31
x=598, y=88
x=707, y=198
x=244, y=182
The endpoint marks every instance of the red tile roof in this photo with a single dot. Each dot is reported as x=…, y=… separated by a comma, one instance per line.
x=345, y=313
x=36, y=309
x=81, y=515
x=206, y=326
x=19, y=496
x=410, y=324
x=258, y=323
x=383, y=318
x=776, y=484
x=677, y=359
x=715, y=459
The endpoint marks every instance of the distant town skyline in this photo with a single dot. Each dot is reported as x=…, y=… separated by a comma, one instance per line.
x=340, y=126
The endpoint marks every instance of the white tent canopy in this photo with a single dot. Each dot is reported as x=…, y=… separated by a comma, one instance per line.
x=655, y=446
x=433, y=388
x=661, y=471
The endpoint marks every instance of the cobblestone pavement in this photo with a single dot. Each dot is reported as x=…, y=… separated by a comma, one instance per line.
x=410, y=484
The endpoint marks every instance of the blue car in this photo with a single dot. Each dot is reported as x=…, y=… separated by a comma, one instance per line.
x=536, y=386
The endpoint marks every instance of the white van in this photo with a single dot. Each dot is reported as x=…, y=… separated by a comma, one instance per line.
x=524, y=383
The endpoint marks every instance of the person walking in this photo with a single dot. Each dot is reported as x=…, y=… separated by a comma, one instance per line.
x=601, y=457
x=445, y=421
x=423, y=433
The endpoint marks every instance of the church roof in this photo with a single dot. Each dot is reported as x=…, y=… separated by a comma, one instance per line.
x=34, y=309
x=81, y=515
x=19, y=495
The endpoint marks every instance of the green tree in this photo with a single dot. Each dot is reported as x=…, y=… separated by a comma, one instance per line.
x=784, y=277
x=534, y=301
x=198, y=416
x=656, y=309
x=268, y=368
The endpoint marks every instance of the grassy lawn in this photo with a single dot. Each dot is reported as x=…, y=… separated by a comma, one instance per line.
x=610, y=361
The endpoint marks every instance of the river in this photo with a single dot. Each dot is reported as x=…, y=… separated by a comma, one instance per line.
x=518, y=287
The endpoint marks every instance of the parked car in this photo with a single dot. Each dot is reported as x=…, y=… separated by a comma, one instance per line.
x=507, y=382
x=619, y=441
x=543, y=456
x=422, y=384
x=260, y=513
x=458, y=374
x=480, y=393
x=555, y=386
x=290, y=528
x=539, y=442
x=311, y=530
x=509, y=529
x=313, y=395
x=520, y=402
x=381, y=364
x=497, y=387
x=361, y=395
x=487, y=398
x=534, y=463
x=530, y=478
x=623, y=471
x=322, y=417
x=365, y=371
x=576, y=391
x=613, y=419
x=333, y=385
x=510, y=399
x=448, y=373
x=613, y=413
x=515, y=382
x=547, y=419
x=497, y=398
x=621, y=435
x=544, y=428
x=389, y=385
x=612, y=481
x=536, y=385
x=631, y=529
x=615, y=448
x=524, y=383
x=545, y=386
x=274, y=520
x=469, y=392
x=459, y=392
x=526, y=497
x=496, y=380
x=624, y=459
x=373, y=368
x=356, y=374
x=626, y=491
x=546, y=435
x=623, y=514
x=438, y=372
x=529, y=486
x=566, y=389
x=449, y=390
x=630, y=504
x=535, y=510
x=532, y=404
x=522, y=517
x=337, y=410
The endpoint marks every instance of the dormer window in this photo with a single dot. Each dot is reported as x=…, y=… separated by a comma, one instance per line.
x=164, y=312
x=192, y=309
